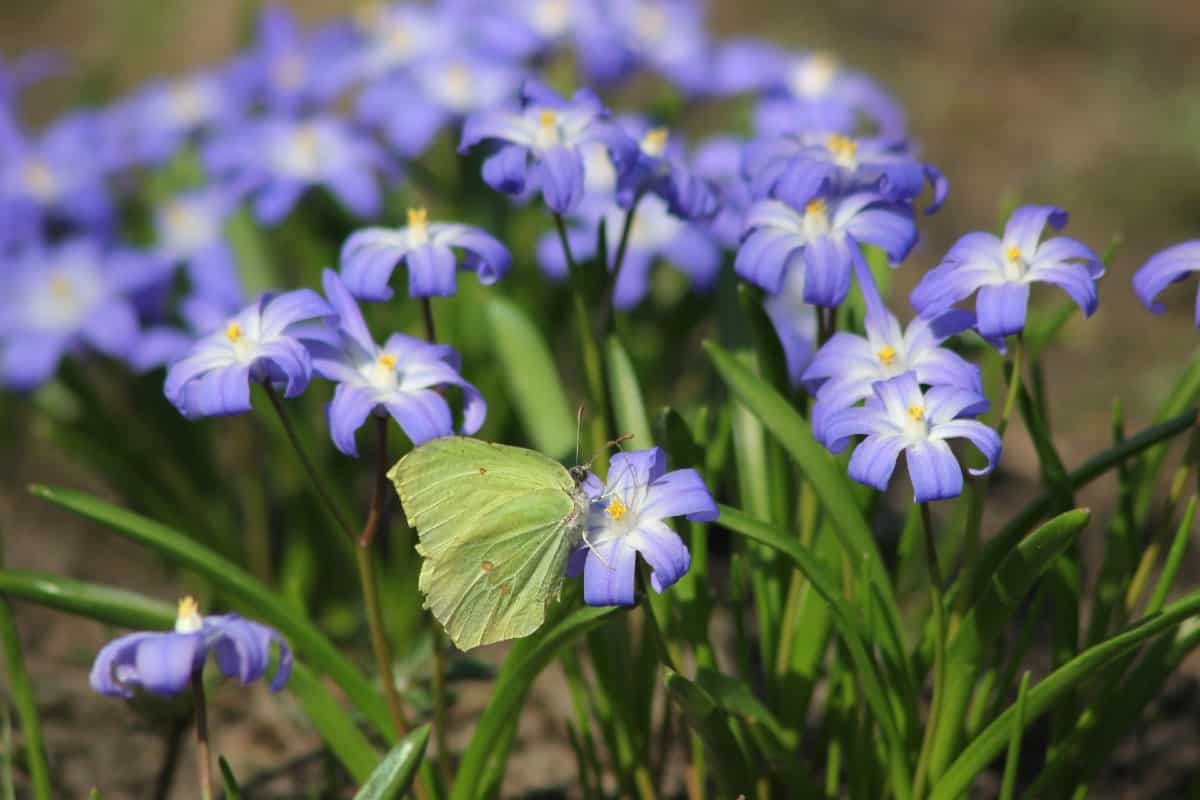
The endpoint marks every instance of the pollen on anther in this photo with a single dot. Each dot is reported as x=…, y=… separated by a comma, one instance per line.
x=387, y=361
x=233, y=332
x=1013, y=253
x=61, y=286
x=815, y=207
x=916, y=413
x=842, y=146
x=187, y=617
x=418, y=217
x=655, y=141
x=547, y=119
x=886, y=354
x=616, y=509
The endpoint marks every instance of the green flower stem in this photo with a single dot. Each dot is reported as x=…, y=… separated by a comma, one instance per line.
x=607, y=310
x=939, y=651
x=978, y=489
x=427, y=318
x=203, y=755
x=593, y=365
x=366, y=571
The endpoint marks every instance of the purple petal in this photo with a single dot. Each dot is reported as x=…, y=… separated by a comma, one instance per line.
x=431, y=271
x=349, y=409
x=1164, y=268
x=635, y=469
x=423, y=415
x=874, y=460
x=935, y=473
x=117, y=654
x=368, y=258
x=28, y=361
x=946, y=402
x=112, y=329
x=350, y=318
x=608, y=574
x=219, y=392
x=165, y=662
x=980, y=435
x=507, y=170
x=356, y=189
x=273, y=202
x=484, y=253
x=827, y=271
x=663, y=550
x=561, y=171
x=1026, y=224
x=677, y=493
x=836, y=428
x=1001, y=309
x=1074, y=279
x=890, y=228
x=282, y=311
x=576, y=561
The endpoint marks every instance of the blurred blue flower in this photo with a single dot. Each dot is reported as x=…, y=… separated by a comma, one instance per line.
x=1003, y=268
x=404, y=378
x=900, y=418
x=718, y=159
x=800, y=164
x=542, y=144
x=190, y=230
x=795, y=323
x=57, y=175
x=153, y=124
x=370, y=255
x=625, y=518
x=262, y=343
x=666, y=36
x=70, y=297
x=279, y=157
x=847, y=366
x=820, y=234
x=164, y=663
x=395, y=36
x=18, y=74
x=164, y=344
x=410, y=108
x=1164, y=268
x=292, y=70
x=528, y=28
x=655, y=234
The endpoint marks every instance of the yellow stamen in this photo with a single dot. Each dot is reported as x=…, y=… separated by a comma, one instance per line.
x=233, y=332
x=547, y=119
x=815, y=207
x=188, y=607
x=916, y=413
x=842, y=146
x=1013, y=253
x=60, y=286
x=616, y=509
x=187, y=618
x=887, y=354
x=387, y=361
x=418, y=217
x=655, y=141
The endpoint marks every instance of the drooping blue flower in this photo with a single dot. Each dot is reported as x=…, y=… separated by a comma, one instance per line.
x=279, y=157
x=18, y=74
x=901, y=418
x=260, y=344
x=660, y=167
x=410, y=108
x=403, y=379
x=542, y=144
x=163, y=344
x=1002, y=269
x=70, y=298
x=428, y=249
x=57, y=175
x=795, y=323
x=164, y=663
x=190, y=229
x=800, y=164
x=151, y=126
x=656, y=234
x=719, y=161
x=821, y=234
x=626, y=518
x=847, y=366
x=1164, y=268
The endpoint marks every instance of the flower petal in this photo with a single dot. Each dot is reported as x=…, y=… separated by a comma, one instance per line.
x=663, y=550
x=1164, y=268
x=874, y=460
x=1026, y=224
x=1001, y=309
x=346, y=414
x=368, y=258
x=561, y=170
x=679, y=492
x=980, y=435
x=432, y=271
x=935, y=473
x=608, y=574
x=165, y=662
x=423, y=415
x=635, y=469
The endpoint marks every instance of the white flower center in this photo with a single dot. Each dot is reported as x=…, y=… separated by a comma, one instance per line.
x=915, y=425
x=650, y=22
x=418, y=227
x=289, y=71
x=547, y=133
x=381, y=374
x=453, y=86
x=654, y=143
x=64, y=297
x=39, y=180
x=187, y=103
x=184, y=227
x=813, y=76
x=304, y=152
x=816, y=219
x=844, y=151
x=550, y=17
x=188, y=619
x=653, y=225
x=1015, y=264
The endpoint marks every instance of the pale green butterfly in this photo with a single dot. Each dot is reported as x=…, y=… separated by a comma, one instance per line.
x=495, y=526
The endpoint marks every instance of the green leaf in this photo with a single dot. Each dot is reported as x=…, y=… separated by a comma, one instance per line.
x=628, y=407
x=232, y=790
x=1014, y=743
x=729, y=759
x=826, y=475
x=979, y=573
x=239, y=587
x=851, y=628
x=772, y=362
x=988, y=744
x=138, y=612
x=967, y=651
x=534, y=386
x=1166, y=578
x=395, y=773
x=1182, y=397
x=736, y=697
x=486, y=752
x=21, y=690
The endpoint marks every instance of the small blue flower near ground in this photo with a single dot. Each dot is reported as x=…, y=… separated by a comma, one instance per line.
x=164, y=663
x=1003, y=268
x=1164, y=268
x=626, y=518
x=403, y=379
x=900, y=418
x=428, y=249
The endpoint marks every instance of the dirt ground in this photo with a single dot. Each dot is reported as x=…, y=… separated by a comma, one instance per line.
x=1094, y=106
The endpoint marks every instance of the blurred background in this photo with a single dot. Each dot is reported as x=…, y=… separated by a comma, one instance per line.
x=1091, y=105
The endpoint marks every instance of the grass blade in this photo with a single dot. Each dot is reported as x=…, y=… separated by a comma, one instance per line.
x=394, y=775
x=1014, y=744
x=21, y=689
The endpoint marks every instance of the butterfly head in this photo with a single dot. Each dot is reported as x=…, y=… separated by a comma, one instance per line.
x=579, y=473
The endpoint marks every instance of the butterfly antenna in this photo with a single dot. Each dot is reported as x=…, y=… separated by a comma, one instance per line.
x=620, y=440
x=592, y=549
x=578, y=431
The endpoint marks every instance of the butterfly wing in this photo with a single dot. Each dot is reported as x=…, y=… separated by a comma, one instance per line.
x=495, y=526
